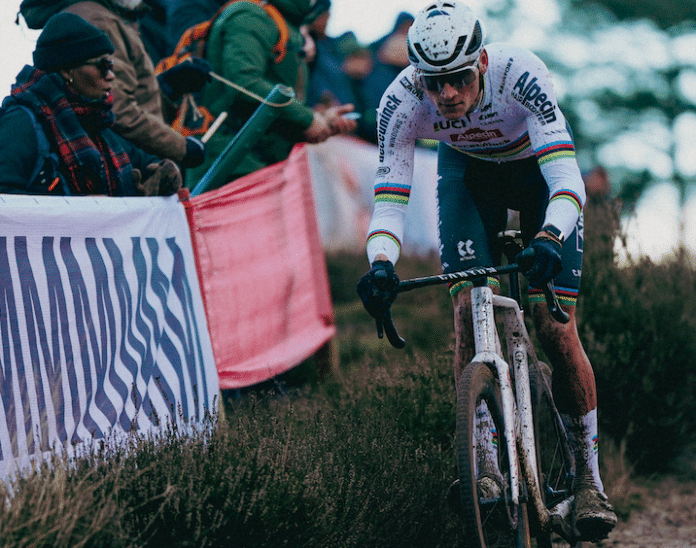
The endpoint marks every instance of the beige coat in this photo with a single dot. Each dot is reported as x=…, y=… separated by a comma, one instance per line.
x=137, y=97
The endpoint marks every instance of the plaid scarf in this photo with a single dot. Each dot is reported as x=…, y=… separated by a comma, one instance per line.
x=91, y=164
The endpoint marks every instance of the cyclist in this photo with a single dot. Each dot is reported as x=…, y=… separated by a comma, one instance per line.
x=503, y=145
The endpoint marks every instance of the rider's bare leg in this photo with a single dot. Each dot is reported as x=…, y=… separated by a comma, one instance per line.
x=575, y=394
x=574, y=387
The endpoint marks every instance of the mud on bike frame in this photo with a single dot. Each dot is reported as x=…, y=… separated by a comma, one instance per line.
x=527, y=482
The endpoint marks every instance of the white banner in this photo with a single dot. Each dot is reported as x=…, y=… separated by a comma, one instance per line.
x=343, y=178
x=101, y=320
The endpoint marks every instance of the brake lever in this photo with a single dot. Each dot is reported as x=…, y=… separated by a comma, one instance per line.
x=392, y=336
x=557, y=313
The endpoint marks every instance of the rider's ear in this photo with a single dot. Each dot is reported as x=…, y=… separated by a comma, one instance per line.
x=483, y=61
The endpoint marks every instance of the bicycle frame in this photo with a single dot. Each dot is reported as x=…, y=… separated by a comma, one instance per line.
x=517, y=406
x=518, y=416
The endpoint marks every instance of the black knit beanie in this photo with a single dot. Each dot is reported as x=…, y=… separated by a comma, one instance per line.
x=67, y=40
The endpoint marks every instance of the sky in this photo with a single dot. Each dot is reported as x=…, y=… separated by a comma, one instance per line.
x=655, y=229
x=368, y=19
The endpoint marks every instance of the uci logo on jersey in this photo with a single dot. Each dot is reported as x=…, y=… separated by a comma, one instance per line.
x=448, y=124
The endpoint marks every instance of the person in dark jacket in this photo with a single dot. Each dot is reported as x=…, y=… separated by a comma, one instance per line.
x=240, y=48
x=63, y=105
x=182, y=14
x=144, y=103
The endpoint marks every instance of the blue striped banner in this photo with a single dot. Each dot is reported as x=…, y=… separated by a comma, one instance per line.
x=99, y=334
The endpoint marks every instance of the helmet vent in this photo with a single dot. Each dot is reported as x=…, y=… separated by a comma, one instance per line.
x=476, y=39
x=442, y=62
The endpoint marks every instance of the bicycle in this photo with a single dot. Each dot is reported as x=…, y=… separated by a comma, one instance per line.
x=508, y=401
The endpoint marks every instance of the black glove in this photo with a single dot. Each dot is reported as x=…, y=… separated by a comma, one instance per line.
x=187, y=77
x=195, y=152
x=541, y=261
x=378, y=290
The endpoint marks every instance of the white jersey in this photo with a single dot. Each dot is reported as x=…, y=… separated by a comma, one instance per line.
x=518, y=118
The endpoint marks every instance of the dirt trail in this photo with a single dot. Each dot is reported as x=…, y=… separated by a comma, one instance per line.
x=666, y=519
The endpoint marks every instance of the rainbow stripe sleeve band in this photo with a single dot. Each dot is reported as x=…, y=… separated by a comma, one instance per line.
x=390, y=235
x=569, y=195
x=558, y=150
x=392, y=193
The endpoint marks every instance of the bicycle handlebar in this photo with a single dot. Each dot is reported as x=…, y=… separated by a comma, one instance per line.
x=557, y=313
x=473, y=273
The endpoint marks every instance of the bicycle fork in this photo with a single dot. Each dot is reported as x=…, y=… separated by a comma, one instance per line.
x=488, y=350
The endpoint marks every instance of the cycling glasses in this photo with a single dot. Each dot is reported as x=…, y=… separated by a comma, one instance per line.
x=104, y=65
x=458, y=80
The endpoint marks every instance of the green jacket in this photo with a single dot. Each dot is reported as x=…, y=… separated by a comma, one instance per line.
x=240, y=48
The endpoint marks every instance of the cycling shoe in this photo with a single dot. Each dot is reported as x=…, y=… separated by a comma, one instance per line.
x=594, y=516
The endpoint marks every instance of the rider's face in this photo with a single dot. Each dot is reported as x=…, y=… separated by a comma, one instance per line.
x=457, y=99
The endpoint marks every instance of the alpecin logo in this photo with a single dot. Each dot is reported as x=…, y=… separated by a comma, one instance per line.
x=477, y=135
x=530, y=95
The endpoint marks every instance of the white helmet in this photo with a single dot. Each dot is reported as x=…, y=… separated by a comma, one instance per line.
x=445, y=36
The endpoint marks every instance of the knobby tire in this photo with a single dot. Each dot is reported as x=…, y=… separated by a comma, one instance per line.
x=556, y=467
x=502, y=525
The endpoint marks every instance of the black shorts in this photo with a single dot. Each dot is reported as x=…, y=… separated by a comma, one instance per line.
x=473, y=199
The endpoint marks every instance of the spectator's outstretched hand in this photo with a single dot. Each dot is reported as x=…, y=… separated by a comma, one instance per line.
x=163, y=179
x=328, y=122
x=337, y=120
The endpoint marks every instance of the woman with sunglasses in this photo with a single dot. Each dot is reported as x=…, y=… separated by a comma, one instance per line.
x=55, y=125
x=503, y=145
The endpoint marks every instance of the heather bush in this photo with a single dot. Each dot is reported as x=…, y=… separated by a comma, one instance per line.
x=363, y=456
x=638, y=325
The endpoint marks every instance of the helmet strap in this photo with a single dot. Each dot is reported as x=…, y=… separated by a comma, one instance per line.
x=480, y=93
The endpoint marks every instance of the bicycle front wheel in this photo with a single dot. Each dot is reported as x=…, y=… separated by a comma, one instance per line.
x=489, y=516
x=555, y=461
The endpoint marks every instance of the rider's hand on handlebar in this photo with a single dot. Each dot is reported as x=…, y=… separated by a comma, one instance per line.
x=541, y=261
x=378, y=288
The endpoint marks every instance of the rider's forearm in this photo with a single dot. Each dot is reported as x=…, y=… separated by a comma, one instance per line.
x=566, y=194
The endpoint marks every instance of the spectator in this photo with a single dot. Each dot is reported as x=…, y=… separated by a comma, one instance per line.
x=337, y=72
x=328, y=85
x=391, y=51
x=240, y=49
x=154, y=31
x=182, y=14
x=64, y=101
x=389, y=58
x=138, y=101
x=357, y=64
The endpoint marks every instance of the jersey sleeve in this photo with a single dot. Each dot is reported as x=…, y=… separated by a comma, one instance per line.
x=397, y=121
x=552, y=142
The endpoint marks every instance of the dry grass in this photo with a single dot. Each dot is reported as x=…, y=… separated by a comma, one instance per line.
x=364, y=457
